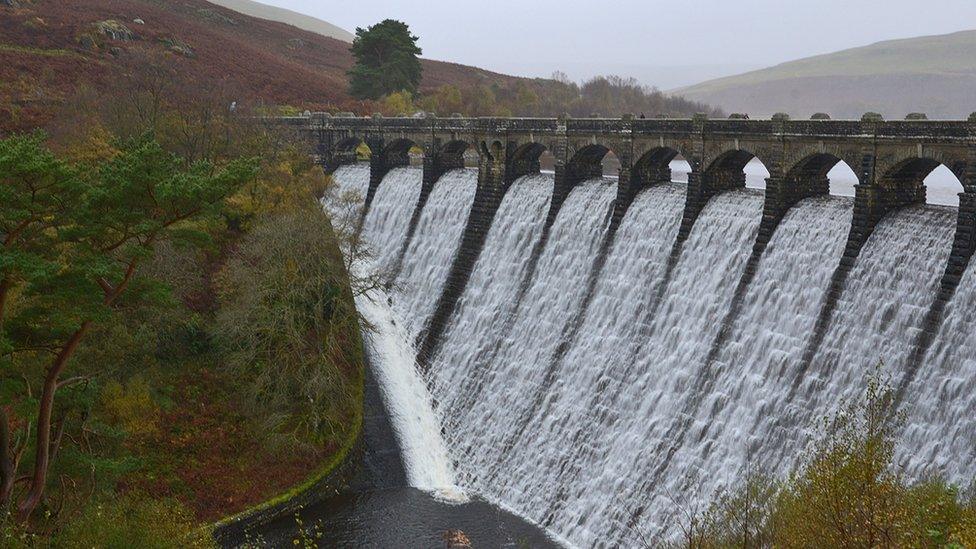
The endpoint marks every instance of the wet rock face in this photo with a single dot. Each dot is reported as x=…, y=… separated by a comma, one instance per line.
x=115, y=30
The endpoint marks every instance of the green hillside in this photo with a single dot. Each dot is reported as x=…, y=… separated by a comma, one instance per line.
x=932, y=74
x=271, y=13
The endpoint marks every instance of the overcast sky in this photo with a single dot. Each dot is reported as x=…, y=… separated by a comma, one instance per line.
x=536, y=37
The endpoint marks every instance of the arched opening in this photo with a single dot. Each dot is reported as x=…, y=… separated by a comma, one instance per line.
x=842, y=179
x=921, y=180
x=680, y=168
x=547, y=161
x=456, y=155
x=822, y=173
x=611, y=165
x=756, y=174
x=528, y=159
x=588, y=163
x=656, y=166
x=354, y=148
x=942, y=187
x=403, y=152
x=729, y=171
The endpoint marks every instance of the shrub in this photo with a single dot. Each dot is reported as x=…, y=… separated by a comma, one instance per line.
x=133, y=521
x=131, y=406
x=290, y=328
x=845, y=493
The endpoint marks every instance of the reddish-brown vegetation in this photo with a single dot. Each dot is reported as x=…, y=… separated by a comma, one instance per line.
x=44, y=56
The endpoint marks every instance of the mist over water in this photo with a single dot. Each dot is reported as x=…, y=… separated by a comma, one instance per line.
x=595, y=421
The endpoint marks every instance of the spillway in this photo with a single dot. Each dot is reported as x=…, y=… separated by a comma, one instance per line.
x=428, y=256
x=388, y=218
x=599, y=394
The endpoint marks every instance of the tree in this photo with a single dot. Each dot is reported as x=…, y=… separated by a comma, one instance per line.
x=72, y=241
x=386, y=61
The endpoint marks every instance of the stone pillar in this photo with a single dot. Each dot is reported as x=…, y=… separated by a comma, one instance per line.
x=493, y=183
x=378, y=168
x=566, y=177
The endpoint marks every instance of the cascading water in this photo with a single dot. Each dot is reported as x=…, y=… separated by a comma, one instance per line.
x=485, y=426
x=486, y=306
x=940, y=434
x=428, y=257
x=576, y=406
x=405, y=395
x=764, y=347
x=879, y=314
x=389, y=215
x=646, y=407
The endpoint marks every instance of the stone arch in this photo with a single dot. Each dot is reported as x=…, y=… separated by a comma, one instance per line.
x=904, y=182
x=351, y=145
x=652, y=168
x=727, y=171
x=397, y=151
x=587, y=162
x=811, y=175
x=442, y=158
x=524, y=159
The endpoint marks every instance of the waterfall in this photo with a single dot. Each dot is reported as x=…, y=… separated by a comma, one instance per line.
x=880, y=312
x=599, y=422
x=496, y=409
x=486, y=307
x=388, y=343
x=427, y=259
x=389, y=215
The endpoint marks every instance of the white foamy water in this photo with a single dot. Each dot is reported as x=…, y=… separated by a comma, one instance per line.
x=407, y=400
x=940, y=404
x=505, y=395
x=391, y=355
x=559, y=442
x=758, y=362
x=486, y=306
x=600, y=443
x=388, y=218
x=880, y=312
x=431, y=251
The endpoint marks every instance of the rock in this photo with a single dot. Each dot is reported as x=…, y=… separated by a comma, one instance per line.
x=215, y=16
x=138, y=21
x=297, y=43
x=88, y=42
x=180, y=47
x=115, y=30
x=456, y=539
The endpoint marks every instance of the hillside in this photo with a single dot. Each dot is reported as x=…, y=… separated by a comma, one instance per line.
x=300, y=20
x=51, y=48
x=932, y=74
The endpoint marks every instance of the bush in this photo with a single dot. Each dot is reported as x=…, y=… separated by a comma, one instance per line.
x=131, y=406
x=846, y=493
x=290, y=329
x=132, y=521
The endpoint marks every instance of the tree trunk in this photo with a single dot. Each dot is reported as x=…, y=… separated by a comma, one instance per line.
x=43, y=452
x=7, y=472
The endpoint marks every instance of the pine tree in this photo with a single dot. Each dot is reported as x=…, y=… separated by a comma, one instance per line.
x=386, y=61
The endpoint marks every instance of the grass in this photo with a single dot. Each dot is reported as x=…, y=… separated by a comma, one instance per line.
x=12, y=48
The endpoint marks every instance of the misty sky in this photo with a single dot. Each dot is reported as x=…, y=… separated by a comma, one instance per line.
x=703, y=37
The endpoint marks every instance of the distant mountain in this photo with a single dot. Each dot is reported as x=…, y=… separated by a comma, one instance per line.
x=300, y=20
x=933, y=74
